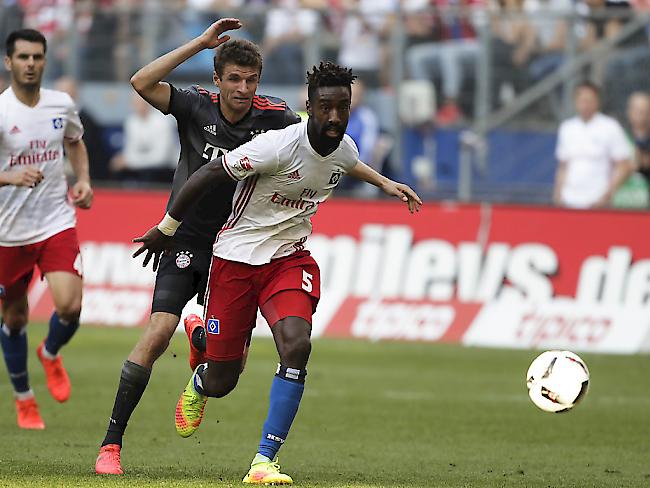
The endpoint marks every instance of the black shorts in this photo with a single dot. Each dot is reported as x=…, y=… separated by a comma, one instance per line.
x=182, y=274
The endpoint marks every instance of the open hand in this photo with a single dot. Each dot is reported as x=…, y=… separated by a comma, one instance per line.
x=210, y=37
x=82, y=194
x=155, y=243
x=404, y=193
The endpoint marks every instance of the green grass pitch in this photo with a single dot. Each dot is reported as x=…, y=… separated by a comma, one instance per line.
x=374, y=414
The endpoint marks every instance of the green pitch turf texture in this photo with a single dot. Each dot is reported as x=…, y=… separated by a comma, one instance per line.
x=373, y=414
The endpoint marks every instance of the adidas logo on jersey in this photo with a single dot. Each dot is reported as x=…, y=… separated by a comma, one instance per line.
x=211, y=129
x=294, y=175
x=14, y=130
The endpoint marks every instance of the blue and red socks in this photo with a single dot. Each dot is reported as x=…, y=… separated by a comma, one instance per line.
x=61, y=331
x=286, y=392
x=14, y=349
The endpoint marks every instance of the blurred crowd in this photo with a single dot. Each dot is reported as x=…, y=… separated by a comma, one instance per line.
x=442, y=40
x=445, y=47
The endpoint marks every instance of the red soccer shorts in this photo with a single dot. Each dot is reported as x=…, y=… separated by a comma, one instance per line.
x=57, y=253
x=285, y=287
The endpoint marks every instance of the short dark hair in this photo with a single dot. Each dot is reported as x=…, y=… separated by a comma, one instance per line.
x=30, y=35
x=589, y=85
x=237, y=51
x=328, y=74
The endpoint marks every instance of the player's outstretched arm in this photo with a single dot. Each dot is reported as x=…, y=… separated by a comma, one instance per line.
x=363, y=172
x=148, y=80
x=82, y=192
x=158, y=239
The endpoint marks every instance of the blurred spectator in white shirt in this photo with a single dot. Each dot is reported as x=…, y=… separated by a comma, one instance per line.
x=366, y=28
x=150, y=146
x=288, y=25
x=593, y=153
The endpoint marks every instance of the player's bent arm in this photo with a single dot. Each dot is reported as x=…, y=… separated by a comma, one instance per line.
x=206, y=177
x=363, y=172
x=158, y=239
x=82, y=193
x=78, y=155
x=147, y=81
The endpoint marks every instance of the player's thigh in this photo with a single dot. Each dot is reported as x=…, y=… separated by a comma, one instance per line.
x=60, y=262
x=16, y=272
x=181, y=275
x=230, y=311
x=66, y=289
x=291, y=288
x=290, y=313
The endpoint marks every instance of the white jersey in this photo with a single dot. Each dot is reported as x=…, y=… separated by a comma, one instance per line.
x=282, y=180
x=33, y=136
x=590, y=151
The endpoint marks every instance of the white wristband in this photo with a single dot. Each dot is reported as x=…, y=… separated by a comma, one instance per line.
x=168, y=225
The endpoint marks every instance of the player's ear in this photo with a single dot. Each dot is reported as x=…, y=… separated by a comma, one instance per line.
x=215, y=78
x=7, y=63
x=308, y=107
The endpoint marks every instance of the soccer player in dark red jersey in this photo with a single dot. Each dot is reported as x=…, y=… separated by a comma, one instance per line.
x=209, y=126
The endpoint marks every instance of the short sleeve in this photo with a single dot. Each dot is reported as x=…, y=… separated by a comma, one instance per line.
x=74, y=129
x=259, y=156
x=350, y=155
x=291, y=117
x=183, y=103
x=620, y=149
x=561, y=149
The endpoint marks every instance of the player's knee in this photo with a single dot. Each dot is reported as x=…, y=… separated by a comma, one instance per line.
x=151, y=346
x=218, y=386
x=156, y=341
x=295, y=347
x=16, y=320
x=70, y=311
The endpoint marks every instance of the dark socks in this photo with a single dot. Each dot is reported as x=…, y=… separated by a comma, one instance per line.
x=60, y=333
x=133, y=382
x=198, y=338
x=14, y=348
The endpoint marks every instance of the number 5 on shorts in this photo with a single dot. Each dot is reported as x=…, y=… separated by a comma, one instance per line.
x=306, y=281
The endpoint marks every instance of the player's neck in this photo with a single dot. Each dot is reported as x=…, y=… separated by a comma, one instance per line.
x=27, y=95
x=230, y=115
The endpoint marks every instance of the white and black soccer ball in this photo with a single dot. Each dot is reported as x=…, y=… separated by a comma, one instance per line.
x=557, y=380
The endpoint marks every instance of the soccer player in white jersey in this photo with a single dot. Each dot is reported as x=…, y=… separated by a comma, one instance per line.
x=260, y=258
x=37, y=218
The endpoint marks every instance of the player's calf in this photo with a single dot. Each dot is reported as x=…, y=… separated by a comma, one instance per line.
x=155, y=339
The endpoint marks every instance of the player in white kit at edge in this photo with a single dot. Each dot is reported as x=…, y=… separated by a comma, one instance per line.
x=37, y=218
